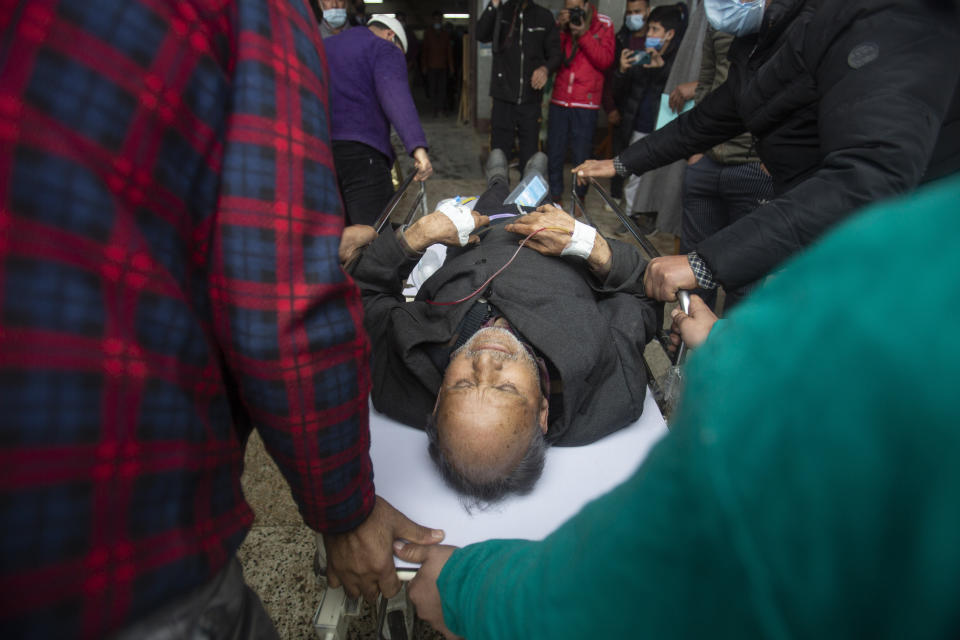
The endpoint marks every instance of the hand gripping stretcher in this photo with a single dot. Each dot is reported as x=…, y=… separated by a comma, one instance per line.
x=408, y=479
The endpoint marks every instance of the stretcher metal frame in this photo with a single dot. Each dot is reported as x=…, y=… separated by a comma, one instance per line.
x=395, y=616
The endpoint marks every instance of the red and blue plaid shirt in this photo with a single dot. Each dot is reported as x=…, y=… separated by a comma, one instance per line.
x=169, y=223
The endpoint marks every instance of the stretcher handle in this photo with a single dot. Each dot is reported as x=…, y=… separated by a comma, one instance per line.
x=394, y=201
x=683, y=297
x=578, y=203
x=627, y=221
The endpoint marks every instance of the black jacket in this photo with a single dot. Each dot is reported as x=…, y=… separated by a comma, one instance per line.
x=532, y=42
x=592, y=332
x=639, y=87
x=851, y=101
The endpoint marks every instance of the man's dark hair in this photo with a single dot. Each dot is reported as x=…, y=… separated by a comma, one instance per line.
x=478, y=493
x=669, y=17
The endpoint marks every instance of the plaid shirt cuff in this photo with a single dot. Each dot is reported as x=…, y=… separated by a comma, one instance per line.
x=620, y=168
x=701, y=271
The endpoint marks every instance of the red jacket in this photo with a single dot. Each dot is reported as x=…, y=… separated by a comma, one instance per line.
x=580, y=83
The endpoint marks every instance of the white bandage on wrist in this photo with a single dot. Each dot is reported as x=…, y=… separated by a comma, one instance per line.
x=462, y=219
x=581, y=243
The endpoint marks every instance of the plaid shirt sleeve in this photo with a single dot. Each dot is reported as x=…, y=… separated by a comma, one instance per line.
x=287, y=317
x=169, y=224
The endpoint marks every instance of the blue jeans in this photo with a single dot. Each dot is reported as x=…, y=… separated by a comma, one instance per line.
x=571, y=128
x=715, y=196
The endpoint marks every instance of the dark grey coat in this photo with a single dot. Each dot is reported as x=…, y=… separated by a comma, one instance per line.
x=594, y=333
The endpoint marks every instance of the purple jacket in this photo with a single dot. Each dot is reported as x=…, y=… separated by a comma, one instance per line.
x=369, y=92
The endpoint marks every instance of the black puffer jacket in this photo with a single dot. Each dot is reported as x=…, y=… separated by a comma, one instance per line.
x=522, y=42
x=852, y=101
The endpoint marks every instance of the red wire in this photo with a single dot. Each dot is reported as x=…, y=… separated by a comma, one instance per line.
x=498, y=272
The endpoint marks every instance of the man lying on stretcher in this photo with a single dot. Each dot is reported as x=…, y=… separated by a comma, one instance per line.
x=531, y=333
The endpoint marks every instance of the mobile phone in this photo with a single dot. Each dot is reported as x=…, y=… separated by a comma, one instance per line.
x=641, y=57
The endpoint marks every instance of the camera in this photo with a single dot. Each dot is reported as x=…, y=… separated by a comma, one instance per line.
x=577, y=16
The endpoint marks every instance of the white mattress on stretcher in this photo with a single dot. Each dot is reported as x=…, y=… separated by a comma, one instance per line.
x=407, y=478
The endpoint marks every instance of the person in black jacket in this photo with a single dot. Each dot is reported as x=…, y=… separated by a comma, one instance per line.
x=526, y=50
x=851, y=101
x=638, y=80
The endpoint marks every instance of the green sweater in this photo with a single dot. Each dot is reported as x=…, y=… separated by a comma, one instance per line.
x=810, y=486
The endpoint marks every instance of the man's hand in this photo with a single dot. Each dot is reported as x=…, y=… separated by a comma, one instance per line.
x=627, y=58
x=422, y=163
x=694, y=159
x=682, y=95
x=594, y=169
x=354, y=239
x=692, y=329
x=437, y=227
x=563, y=18
x=667, y=275
x=362, y=560
x=614, y=117
x=423, y=590
x=495, y=3
x=538, y=79
x=557, y=227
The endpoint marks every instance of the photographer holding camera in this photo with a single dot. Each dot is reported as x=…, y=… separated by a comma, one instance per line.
x=587, y=42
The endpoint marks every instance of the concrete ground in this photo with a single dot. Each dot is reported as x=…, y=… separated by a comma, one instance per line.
x=277, y=554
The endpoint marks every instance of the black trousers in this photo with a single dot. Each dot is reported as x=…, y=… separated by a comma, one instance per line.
x=437, y=79
x=363, y=175
x=521, y=120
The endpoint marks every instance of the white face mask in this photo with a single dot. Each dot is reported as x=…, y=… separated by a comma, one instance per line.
x=735, y=17
x=335, y=17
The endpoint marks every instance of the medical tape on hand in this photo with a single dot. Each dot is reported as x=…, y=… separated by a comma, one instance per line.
x=581, y=243
x=462, y=219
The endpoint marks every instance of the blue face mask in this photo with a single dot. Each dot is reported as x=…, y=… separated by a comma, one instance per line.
x=655, y=43
x=635, y=22
x=335, y=17
x=735, y=17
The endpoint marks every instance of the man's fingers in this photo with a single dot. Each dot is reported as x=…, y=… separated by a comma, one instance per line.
x=697, y=305
x=407, y=529
x=480, y=220
x=332, y=579
x=411, y=552
x=389, y=583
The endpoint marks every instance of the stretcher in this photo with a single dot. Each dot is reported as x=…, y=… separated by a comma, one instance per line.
x=408, y=479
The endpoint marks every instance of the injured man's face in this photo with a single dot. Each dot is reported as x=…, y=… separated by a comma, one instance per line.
x=490, y=419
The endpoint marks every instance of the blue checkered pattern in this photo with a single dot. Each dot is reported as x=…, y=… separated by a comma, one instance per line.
x=81, y=99
x=329, y=325
x=130, y=27
x=313, y=115
x=250, y=253
x=49, y=295
x=184, y=171
x=39, y=522
x=169, y=281
x=167, y=413
x=253, y=77
x=336, y=385
x=167, y=326
x=206, y=94
x=319, y=186
x=62, y=193
x=250, y=171
x=50, y=407
x=254, y=333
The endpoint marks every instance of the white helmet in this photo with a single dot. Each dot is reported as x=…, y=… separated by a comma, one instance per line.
x=393, y=24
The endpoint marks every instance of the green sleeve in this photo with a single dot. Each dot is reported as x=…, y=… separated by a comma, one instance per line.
x=612, y=570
